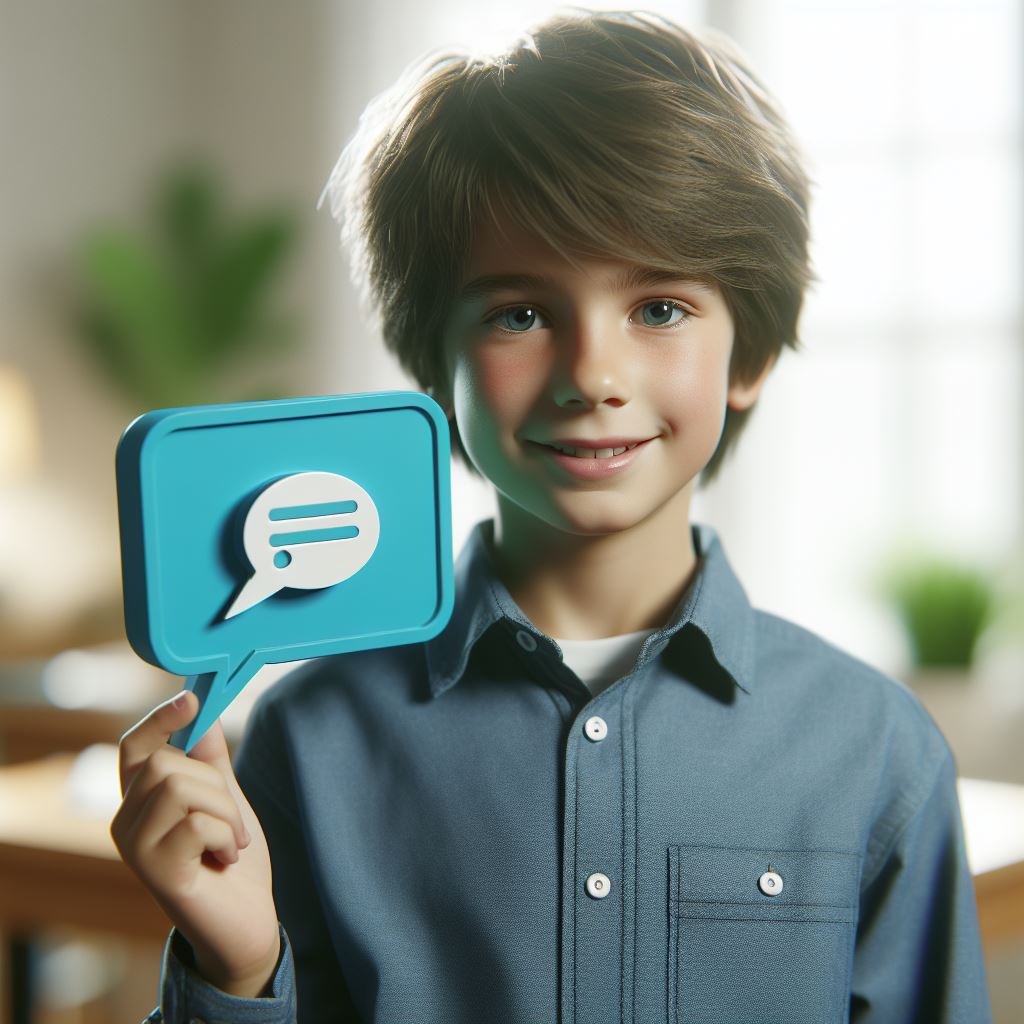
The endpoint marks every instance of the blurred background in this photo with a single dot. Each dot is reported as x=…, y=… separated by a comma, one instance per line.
x=160, y=245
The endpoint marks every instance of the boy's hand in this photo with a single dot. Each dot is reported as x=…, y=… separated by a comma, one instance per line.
x=181, y=828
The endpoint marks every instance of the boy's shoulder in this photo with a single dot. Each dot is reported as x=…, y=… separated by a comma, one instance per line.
x=820, y=681
x=324, y=689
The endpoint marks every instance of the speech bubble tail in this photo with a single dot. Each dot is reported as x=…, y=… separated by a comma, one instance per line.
x=257, y=588
x=216, y=691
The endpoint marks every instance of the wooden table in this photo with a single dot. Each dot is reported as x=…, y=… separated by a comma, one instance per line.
x=59, y=868
x=993, y=815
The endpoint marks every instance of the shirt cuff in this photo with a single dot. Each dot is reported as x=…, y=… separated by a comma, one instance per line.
x=186, y=996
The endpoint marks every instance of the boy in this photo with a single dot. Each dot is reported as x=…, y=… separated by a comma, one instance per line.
x=610, y=790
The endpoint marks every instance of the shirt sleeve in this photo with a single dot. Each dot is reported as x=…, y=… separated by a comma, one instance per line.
x=186, y=996
x=263, y=767
x=918, y=955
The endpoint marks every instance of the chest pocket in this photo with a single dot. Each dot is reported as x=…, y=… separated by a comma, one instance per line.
x=738, y=954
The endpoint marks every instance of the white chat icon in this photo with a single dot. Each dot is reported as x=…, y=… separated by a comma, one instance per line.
x=307, y=531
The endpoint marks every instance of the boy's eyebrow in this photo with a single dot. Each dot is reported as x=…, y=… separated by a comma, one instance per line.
x=634, y=277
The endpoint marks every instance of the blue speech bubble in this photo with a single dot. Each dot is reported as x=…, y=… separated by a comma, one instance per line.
x=266, y=532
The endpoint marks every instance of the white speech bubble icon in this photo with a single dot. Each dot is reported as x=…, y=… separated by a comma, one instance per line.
x=307, y=531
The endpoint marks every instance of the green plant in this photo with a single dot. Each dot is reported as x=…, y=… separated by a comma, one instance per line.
x=944, y=607
x=170, y=312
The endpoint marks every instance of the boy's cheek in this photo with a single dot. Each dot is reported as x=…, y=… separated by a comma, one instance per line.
x=477, y=422
x=692, y=413
x=499, y=388
x=692, y=393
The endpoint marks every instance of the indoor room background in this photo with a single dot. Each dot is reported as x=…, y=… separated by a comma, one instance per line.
x=877, y=496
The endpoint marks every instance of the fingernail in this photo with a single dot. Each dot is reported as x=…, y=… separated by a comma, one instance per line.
x=179, y=701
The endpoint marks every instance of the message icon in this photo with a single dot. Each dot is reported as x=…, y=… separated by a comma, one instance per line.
x=307, y=531
x=267, y=532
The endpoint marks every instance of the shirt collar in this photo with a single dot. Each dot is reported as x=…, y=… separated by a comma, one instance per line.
x=716, y=605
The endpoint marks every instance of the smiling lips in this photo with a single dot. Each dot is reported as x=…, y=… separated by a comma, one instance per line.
x=594, y=464
x=597, y=448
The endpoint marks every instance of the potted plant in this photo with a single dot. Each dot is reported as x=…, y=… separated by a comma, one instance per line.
x=182, y=313
x=944, y=607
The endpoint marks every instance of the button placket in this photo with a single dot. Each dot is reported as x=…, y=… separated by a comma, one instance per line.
x=599, y=860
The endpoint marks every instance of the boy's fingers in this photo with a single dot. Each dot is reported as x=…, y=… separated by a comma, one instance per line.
x=180, y=795
x=153, y=732
x=195, y=834
x=213, y=749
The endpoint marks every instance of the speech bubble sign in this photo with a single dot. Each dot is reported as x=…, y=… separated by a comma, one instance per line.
x=267, y=532
x=306, y=531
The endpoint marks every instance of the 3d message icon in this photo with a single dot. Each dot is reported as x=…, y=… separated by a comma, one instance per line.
x=267, y=532
x=292, y=532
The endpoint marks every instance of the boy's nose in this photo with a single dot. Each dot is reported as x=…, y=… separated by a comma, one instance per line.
x=591, y=371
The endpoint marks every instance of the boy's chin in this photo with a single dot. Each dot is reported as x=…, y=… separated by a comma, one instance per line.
x=593, y=515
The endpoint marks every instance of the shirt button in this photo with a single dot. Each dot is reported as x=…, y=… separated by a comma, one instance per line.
x=526, y=640
x=599, y=885
x=770, y=883
x=595, y=728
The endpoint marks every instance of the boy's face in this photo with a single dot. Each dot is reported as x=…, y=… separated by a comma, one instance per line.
x=578, y=356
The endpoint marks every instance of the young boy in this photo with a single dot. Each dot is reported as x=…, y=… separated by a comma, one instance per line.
x=610, y=790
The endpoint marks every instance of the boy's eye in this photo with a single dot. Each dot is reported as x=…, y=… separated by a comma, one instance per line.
x=522, y=319
x=515, y=319
x=662, y=310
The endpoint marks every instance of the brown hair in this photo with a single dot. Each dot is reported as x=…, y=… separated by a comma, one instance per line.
x=609, y=134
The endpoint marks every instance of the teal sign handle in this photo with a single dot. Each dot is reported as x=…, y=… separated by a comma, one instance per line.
x=267, y=532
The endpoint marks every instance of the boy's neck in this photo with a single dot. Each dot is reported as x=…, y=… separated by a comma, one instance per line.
x=586, y=587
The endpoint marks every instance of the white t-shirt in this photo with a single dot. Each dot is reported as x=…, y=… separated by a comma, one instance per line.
x=600, y=662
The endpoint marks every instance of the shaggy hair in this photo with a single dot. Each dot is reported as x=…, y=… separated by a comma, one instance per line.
x=607, y=134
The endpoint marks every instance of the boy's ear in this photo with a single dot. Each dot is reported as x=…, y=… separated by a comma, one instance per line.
x=743, y=394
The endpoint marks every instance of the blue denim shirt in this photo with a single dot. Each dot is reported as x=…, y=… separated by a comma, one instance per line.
x=750, y=827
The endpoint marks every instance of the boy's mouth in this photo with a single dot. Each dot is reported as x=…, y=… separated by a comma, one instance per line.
x=591, y=453
x=581, y=452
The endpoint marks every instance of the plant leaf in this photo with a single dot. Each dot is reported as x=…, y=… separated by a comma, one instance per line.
x=237, y=278
x=132, y=294
x=186, y=206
